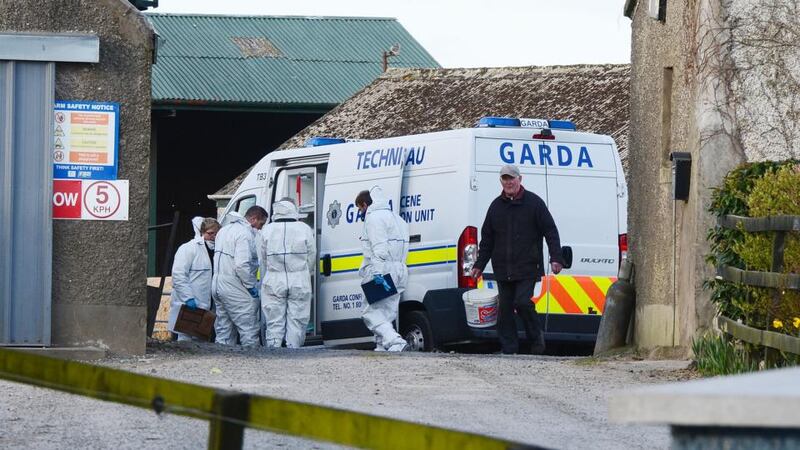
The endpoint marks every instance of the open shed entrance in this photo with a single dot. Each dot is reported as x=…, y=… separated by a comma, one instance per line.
x=198, y=151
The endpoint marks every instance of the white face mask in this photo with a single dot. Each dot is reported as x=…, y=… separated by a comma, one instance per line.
x=210, y=245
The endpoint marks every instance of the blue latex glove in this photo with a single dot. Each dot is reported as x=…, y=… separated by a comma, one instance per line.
x=379, y=280
x=191, y=303
x=253, y=292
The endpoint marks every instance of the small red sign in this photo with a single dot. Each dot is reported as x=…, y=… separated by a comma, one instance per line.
x=66, y=199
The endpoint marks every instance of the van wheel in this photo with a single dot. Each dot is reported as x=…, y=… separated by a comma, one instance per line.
x=416, y=330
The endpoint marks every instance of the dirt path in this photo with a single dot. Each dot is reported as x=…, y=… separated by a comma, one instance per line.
x=557, y=402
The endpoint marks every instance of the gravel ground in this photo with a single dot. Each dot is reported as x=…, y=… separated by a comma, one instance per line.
x=556, y=402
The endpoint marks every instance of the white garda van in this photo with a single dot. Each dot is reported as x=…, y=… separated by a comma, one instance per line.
x=442, y=184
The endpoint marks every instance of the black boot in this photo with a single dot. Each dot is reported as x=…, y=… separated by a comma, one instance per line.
x=537, y=346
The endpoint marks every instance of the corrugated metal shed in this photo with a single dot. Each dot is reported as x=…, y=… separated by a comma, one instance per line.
x=413, y=101
x=282, y=62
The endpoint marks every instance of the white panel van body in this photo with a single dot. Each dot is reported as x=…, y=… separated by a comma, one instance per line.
x=441, y=184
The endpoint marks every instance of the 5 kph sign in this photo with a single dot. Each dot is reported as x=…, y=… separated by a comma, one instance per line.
x=90, y=200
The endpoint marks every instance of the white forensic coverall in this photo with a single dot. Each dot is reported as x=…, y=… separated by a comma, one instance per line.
x=191, y=277
x=235, y=266
x=384, y=242
x=287, y=253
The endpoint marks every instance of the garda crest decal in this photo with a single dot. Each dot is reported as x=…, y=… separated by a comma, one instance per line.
x=334, y=213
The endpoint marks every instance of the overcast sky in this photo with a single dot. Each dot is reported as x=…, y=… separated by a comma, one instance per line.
x=471, y=33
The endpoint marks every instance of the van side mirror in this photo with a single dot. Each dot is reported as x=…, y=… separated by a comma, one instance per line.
x=566, y=253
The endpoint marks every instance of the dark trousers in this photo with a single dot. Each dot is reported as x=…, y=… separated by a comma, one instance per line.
x=516, y=295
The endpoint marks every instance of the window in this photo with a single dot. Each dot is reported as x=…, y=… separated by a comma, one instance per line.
x=243, y=204
x=298, y=184
x=657, y=9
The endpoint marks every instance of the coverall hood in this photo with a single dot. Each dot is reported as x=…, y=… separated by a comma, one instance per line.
x=196, y=222
x=379, y=200
x=284, y=209
x=233, y=217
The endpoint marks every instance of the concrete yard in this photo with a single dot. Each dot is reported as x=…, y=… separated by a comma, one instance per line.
x=556, y=402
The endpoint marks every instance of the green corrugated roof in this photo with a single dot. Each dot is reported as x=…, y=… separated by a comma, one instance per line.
x=273, y=60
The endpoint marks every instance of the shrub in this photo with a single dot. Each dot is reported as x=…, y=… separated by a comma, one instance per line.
x=752, y=190
x=732, y=299
x=777, y=192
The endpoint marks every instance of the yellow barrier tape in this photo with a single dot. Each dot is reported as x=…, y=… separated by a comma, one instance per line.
x=102, y=382
x=266, y=413
x=361, y=430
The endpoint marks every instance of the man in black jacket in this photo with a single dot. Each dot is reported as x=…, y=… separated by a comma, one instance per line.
x=511, y=236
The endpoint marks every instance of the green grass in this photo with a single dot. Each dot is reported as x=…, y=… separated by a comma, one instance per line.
x=715, y=355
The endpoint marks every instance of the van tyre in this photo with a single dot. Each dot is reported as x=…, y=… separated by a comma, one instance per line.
x=415, y=327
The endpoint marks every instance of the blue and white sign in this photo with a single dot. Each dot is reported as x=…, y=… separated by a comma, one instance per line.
x=86, y=138
x=553, y=155
x=533, y=123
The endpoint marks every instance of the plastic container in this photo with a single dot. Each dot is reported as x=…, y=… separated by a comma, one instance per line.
x=481, y=307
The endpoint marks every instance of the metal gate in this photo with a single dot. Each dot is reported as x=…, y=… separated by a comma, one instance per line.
x=27, y=90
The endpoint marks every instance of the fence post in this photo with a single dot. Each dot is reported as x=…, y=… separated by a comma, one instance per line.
x=778, y=247
x=225, y=434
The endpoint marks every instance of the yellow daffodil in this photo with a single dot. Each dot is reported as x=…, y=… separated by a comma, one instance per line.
x=796, y=322
x=777, y=324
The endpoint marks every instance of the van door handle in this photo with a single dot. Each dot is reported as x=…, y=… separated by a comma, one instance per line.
x=326, y=265
x=566, y=253
x=415, y=238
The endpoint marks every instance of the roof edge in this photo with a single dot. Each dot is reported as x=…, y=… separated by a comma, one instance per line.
x=267, y=16
x=403, y=72
x=183, y=104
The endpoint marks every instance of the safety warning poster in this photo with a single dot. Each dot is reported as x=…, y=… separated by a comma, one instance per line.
x=86, y=138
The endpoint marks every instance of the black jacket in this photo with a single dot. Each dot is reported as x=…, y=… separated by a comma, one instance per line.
x=512, y=237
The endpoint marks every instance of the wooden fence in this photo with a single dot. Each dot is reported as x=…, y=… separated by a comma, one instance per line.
x=774, y=279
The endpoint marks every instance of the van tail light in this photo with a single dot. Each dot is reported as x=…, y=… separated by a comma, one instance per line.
x=623, y=247
x=467, y=255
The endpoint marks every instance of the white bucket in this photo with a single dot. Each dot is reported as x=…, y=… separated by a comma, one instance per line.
x=481, y=307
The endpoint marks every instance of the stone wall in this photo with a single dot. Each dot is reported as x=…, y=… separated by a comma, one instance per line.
x=99, y=267
x=659, y=124
x=735, y=97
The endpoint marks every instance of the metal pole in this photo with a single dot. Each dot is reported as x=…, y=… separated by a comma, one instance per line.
x=227, y=434
x=173, y=231
x=674, y=267
x=154, y=303
x=385, y=61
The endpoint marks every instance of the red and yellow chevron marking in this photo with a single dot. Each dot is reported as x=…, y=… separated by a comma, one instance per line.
x=572, y=294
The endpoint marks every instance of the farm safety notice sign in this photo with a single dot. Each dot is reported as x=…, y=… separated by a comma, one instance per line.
x=86, y=140
x=90, y=199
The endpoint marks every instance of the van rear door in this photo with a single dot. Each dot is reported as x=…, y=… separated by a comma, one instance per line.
x=352, y=167
x=303, y=182
x=582, y=197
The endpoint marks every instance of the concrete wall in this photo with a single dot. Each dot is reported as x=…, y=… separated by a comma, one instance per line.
x=735, y=97
x=659, y=124
x=99, y=278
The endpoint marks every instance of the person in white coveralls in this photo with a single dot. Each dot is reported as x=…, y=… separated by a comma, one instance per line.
x=288, y=254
